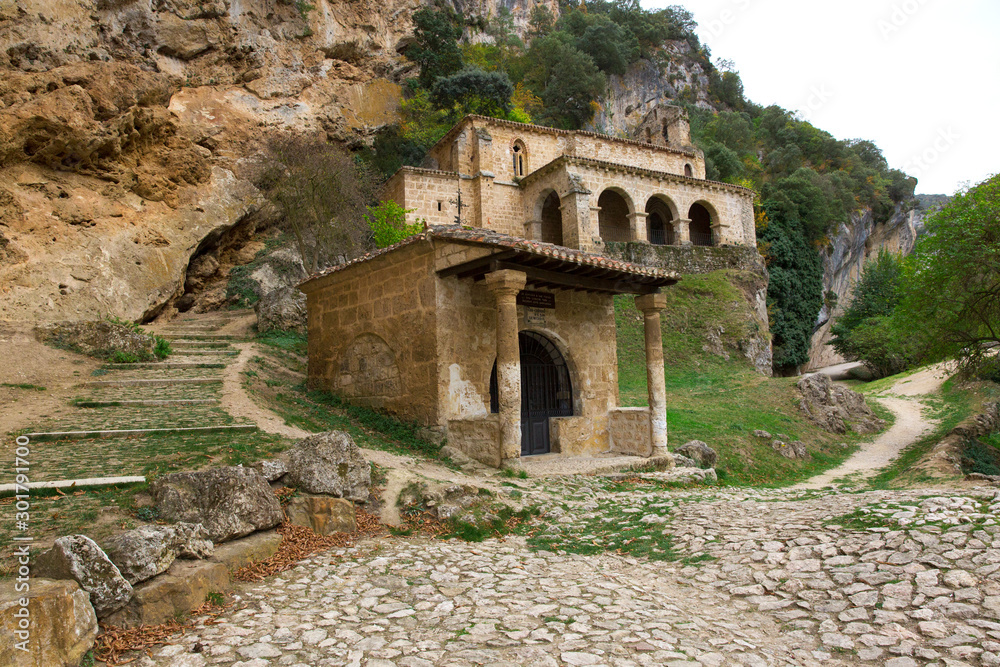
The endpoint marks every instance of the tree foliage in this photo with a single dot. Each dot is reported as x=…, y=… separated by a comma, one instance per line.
x=567, y=81
x=436, y=33
x=387, y=222
x=867, y=331
x=953, y=281
x=473, y=91
x=322, y=193
x=795, y=290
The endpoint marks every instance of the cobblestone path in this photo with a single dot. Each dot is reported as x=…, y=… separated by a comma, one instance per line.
x=757, y=577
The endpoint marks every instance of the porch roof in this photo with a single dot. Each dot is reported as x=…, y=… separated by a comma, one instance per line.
x=547, y=265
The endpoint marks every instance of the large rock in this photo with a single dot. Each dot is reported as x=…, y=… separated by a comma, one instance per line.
x=323, y=514
x=329, y=463
x=282, y=308
x=184, y=586
x=834, y=407
x=790, y=450
x=147, y=551
x=98, y=338
x=79, y=558
x=230, y=502
x=62, y=628
x=698, y=451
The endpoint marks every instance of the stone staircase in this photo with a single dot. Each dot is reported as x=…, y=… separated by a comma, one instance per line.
x=126, y=402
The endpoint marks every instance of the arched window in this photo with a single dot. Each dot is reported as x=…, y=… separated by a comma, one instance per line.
x=701, y=225
x=518, y=159
x=688, y=171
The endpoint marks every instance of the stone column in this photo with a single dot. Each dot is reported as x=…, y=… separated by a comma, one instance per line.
x=533, y=230
x=505, y=285
x=637, y=226
x=651, y=305
x=682, y=231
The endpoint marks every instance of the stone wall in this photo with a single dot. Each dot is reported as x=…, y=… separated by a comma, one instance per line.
x=372, y=333
x=629, y=433
x=689, y=259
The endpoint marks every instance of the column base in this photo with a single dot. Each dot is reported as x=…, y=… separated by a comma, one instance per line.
x=512, y=464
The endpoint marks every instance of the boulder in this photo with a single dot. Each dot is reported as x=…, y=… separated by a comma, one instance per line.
x=147, y=551
x=98, y=338
x=696, y=450
x=230, y=502
x=282, y=308
x=323, y=514
x=790, y=450
x=329, y=463
x=758, y=433
x=682, y=461
x=79, y=558
x=245, y=550
x=183, y=587
x=62, y=628
x=271, y=469
x=834, y=407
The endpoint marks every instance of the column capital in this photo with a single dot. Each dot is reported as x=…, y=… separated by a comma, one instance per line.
x=506, y=281
x=651, y=303
x=637, y=214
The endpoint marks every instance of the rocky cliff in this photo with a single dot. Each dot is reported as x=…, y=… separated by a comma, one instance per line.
x=853, y=244
x=128, y=129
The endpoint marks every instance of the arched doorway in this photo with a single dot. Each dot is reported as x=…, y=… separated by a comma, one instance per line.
x=545, y=391
x=612, y=219
x=659, y=229
x=701, y=225
x=552, y=220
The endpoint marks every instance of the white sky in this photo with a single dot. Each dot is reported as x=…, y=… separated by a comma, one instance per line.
x=917, y=77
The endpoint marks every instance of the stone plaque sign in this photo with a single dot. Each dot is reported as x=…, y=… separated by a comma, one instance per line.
x=536, y=299
x=534, y=316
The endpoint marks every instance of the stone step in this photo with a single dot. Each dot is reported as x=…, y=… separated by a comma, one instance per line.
x=204, y=336
x=147, y=402
x=150, y=382
x=74, y=483
x=167, y=364
x=200, y=344
x=193, y=352
x=122, y=433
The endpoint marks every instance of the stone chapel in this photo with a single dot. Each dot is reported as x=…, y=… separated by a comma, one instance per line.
x=495, y=327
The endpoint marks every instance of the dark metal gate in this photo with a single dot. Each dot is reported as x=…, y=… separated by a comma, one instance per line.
x=545, y=391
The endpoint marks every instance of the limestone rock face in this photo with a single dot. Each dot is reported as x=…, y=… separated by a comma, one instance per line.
x=63, y=624
x=329, y=463
x=147, y=551
x=835, y=407
x=183, y=587
x=698, y=451
x=79, y=558
x=323, y=514
x=282, y=308
x=230, y=502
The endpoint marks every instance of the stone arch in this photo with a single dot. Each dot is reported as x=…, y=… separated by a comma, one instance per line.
x=550, y=214
x=703, y=218
x=519, y=158
x=660, y=214
x=368, y=371
x=613, y=218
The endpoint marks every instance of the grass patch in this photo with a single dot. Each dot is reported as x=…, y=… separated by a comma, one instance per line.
x=290, y=341
x=22, y=385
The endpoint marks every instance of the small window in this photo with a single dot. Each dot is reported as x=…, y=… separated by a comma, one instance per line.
x=518, y=159
x=439, y=205
x=688, y=171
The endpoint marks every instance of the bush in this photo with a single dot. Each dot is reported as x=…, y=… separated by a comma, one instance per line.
x=387, y=221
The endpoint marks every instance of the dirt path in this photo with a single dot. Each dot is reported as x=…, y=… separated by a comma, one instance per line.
x=238, y=403
x=911, y=424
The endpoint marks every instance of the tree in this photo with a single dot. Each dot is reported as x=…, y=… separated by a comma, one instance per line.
x=866, y=331
x=953, y=280
x=566, y=79
x=436, y=33
x=795, y=289
x=473, y=91
x=322, y=192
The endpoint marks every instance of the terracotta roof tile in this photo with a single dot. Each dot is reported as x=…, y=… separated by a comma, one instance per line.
x=495, y=239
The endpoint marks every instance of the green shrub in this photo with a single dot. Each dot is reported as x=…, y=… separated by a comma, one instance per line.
x=387, y=221
x=161, y=348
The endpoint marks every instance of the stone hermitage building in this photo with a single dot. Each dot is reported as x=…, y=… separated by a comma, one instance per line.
x=495, y=326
